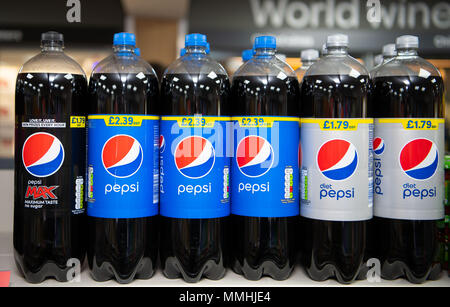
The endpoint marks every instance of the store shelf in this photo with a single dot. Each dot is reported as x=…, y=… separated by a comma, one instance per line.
x=298, y=277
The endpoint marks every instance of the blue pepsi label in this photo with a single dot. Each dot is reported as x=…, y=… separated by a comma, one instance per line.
x=194, y=166
x=123, y=166
x=265, y=166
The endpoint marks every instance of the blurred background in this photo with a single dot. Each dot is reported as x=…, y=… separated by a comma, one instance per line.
x=231, y=25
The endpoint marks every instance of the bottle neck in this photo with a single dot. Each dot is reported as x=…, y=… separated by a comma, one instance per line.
x=407, y=52
x=195, y=49
x=123, y=49
x=307, y=63
x=337, y=50
x=265, y=52
x=52, y=47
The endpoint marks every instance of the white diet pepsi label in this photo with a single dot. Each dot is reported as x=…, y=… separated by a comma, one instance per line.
x=336, y=173
x=409, y=168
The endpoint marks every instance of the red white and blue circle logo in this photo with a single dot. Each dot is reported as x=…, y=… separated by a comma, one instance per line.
x=122, y=156
x=42, y=154
x=254, y=156
x=419, y=159
x=194, y=157
x=378, y=146
x=162, y=143
x=337, y=159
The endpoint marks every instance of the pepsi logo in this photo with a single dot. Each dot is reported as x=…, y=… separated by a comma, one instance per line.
x=337, y=159
x=162, y=143
x=194, y=157
x=122, y=156
x=42, y=154
x=419, y=159
x=378, y=146
x=254, y=156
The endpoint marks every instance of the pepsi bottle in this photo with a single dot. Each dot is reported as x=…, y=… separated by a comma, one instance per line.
x=265, y=199
x=122, y=172
x=336, y=172
x=194, y=165
x=408, y=164
x=49, y=206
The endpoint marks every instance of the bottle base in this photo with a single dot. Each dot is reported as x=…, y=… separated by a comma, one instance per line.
x=49, y=270
x=267, y=268
x=210, y=270
x=398, y=269
x=106, y=271
x=330, y=271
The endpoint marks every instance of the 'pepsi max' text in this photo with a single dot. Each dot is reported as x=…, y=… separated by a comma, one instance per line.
x=122, y=156
x=265, y=166
x=194, y=166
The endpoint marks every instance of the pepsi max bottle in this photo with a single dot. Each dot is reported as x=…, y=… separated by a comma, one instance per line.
x=408, y=164
x=194, y=165
x=122, y=172
x=49, y=206
x=336, y=171
x=265, y=199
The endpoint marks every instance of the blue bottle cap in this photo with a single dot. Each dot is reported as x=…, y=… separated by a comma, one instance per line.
x=124, y=38
x=182, y=51
x=208, y=50
x=247, y=54
x=265, y=42
x=195, y=39
x=137, y=51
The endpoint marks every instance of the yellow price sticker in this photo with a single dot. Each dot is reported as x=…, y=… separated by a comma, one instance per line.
x=414, y=123
x=77, y=122
x=196, y=121
x=331, y=124
x=123, y=120
x=261, y=122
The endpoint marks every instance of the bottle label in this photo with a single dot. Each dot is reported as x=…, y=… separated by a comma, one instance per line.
x=52, y=163
x=195, y=166
x=265, y=166
x=122, y=169
x=336, y=181
x=409, y=168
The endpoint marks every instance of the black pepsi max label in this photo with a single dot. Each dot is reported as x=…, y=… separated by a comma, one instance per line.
x=51, y=163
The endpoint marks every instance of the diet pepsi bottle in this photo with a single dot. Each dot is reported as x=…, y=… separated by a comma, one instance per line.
x=50, y=142
x=336, y=172
x=194, y=165
x=408, y=164
x=122, y=173
x=308, y=57
x=265, y=166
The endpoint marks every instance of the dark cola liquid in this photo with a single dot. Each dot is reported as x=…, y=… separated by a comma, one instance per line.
x=122, y=248
x=406, y=247
x=194, y=248
x=334, y=248
x=47, y=236
x=264, y=245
